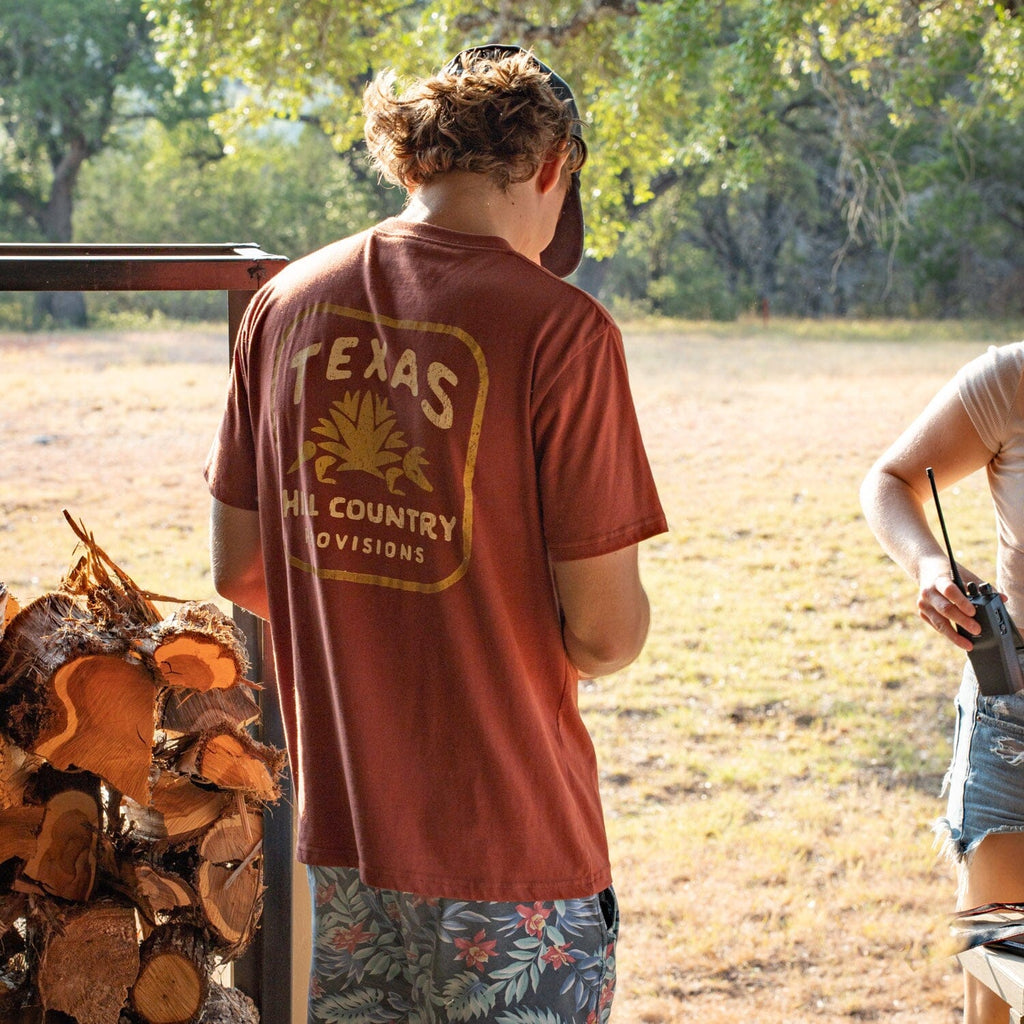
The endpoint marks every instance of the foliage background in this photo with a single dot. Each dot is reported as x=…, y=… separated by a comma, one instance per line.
x=845, y=157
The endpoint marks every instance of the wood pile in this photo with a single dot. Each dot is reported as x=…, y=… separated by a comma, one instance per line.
x=131, y=800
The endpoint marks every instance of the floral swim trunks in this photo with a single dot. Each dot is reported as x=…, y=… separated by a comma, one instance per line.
x=381, y=956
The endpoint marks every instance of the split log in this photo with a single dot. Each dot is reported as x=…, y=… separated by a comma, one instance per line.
x=173, y=980
x=200, y=648
x=185, y=807
x=106, y=723
x=76, y=694
x=230, y=879
x=161, y=891
x=178, y=810
x=191, y=711
x=90, y=962
x=234, y=761
x=65, y=857
x=25, y=666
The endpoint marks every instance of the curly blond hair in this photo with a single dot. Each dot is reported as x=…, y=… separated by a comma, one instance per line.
x=497, y=116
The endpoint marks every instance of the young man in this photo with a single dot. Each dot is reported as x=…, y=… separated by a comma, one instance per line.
x=430, y=480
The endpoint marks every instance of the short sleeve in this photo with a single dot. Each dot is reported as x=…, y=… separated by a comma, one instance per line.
x=597, y=491
x=989, y=386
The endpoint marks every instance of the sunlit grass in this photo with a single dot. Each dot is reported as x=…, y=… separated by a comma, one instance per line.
x=771, y=765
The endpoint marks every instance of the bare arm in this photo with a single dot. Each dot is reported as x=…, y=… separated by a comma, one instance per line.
x=894, y=494
x=606, y=611
x=236, y=557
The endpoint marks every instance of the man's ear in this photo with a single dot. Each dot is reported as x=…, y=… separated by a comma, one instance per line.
x=550, y=173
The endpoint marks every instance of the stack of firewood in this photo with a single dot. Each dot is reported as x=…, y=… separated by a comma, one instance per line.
x=131, y=799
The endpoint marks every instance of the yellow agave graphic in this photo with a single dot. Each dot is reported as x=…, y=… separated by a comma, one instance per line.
x=361, y=435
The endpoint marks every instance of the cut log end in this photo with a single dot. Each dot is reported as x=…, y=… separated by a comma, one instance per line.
x=64, y=859
x=106, y=722
x=173, y=981
x=197, y=662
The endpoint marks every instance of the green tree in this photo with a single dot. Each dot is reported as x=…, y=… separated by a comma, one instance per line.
x=281, y=186
x=70, y=71
x=666, y=83
x=711, y=104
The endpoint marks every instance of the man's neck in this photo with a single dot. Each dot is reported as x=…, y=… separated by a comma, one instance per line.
x=470, y=203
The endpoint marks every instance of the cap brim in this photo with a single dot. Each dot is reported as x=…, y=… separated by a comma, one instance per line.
x=563, y=254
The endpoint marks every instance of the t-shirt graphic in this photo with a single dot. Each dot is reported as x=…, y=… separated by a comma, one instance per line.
x=378, y=486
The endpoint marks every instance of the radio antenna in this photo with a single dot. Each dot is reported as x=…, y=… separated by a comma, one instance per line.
x=945, y=536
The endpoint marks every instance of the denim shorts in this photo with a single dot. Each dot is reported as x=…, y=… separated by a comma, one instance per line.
x=985, y=781
x=381, y=956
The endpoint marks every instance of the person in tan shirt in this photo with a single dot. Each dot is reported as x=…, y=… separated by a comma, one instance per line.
x=975, y=422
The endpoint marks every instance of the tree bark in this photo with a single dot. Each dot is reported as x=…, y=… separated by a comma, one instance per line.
x=89, y=962
x=56, y=222
x=191, y=711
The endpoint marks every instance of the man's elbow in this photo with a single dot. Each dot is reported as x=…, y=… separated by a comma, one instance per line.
x=228, y=587
x=607, y=650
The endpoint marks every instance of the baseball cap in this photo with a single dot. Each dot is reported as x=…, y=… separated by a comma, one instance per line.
x=563, y=254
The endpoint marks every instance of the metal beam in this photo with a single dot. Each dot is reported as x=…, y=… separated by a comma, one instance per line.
x=82, y=268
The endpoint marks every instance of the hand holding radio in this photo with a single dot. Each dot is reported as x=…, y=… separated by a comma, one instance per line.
x=993, y=654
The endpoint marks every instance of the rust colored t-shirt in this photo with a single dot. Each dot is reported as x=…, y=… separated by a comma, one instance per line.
x=424, y=419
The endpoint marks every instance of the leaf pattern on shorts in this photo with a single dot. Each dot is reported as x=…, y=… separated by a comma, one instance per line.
x=468, y=964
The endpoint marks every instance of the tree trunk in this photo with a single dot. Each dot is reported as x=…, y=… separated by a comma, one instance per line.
x=63, y=307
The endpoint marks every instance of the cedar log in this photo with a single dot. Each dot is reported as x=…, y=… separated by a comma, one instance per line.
x=89, y=962
x=200, y=648
x=230, y=879
x=105, y=722
x=173, y=980
x=233, y=760
x=177, y=811
x=65, y=857
x=191, y=711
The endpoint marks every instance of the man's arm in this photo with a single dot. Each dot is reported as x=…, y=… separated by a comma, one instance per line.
x=606, y=610
x=236, y=557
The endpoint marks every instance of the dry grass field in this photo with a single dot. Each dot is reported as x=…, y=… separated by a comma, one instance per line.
x=772, y=763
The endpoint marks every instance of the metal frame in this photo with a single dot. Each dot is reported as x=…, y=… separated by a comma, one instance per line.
x=264, y=973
